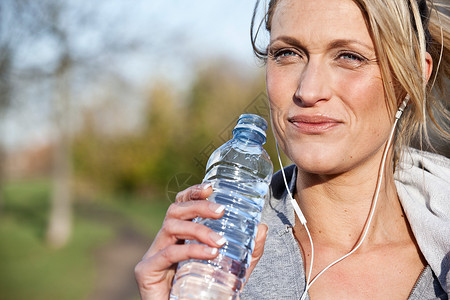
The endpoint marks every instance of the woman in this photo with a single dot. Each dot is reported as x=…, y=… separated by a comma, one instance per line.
x=337, y=73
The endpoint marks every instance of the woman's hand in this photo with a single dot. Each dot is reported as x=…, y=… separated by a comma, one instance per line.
x=154, y=274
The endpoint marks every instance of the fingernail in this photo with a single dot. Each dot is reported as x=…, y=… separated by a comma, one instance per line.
x=206, y=186
x=217, y=238
x=216, y=208
x=211, y=250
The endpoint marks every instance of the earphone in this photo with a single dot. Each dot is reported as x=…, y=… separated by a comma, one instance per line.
x=402, y=107
x=303, y=220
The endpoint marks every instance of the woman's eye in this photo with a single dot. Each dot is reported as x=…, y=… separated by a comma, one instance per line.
x=351, y=56
x=351, y=60
x=285, y=53
x=285, y=56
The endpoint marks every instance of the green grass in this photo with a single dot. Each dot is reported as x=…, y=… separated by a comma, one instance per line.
x=31, y=270
x=28, y=268
x=26, y=203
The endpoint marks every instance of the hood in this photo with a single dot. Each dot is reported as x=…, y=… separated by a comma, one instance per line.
x=423, y=186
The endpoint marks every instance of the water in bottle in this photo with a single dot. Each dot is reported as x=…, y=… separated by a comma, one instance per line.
x=240, y=172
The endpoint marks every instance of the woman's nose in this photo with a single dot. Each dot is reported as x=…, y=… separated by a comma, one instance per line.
x=314, y=84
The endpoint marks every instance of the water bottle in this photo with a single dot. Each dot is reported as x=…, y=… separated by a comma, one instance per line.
x=240, y=172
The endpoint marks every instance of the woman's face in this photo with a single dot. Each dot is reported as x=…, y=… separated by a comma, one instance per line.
x=325, y=87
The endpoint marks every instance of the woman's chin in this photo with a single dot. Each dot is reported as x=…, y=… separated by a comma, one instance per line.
x=320, y=163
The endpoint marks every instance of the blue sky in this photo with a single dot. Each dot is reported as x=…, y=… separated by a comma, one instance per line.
x=191, y=31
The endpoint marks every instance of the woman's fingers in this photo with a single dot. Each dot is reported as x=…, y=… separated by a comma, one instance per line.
x=177, y=225
x=172, y=254
x=192, y=209
x=154, y=274
x=196, y=192
x=174, y=230
x=259, y=248
x=182, y=230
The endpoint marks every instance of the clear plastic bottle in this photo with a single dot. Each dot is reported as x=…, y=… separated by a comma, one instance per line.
x=240, y=172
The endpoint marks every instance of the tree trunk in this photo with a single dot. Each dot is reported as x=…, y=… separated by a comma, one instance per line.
x=5, y=101
x=60, y=220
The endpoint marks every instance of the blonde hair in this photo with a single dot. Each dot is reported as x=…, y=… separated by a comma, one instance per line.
x=403, y=31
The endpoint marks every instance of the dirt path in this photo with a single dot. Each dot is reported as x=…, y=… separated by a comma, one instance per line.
x=115, y=261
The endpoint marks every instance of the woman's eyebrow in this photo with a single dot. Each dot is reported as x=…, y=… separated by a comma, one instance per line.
x=342, y=43
x=288, y=40
x=338, y=43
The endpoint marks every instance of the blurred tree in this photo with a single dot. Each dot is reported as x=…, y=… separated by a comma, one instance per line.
x=5, y=91
x=71, y=46
x=12, y=16
x=179, y=132
x=65, y=24
x=140, y=160
x=164, y=135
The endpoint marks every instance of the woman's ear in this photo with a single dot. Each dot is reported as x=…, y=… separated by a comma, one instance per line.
x=428, y=66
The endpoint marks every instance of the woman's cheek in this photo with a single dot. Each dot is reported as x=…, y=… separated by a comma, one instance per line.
x=278, y=90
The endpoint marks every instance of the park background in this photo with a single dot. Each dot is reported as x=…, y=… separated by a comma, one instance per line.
x=108, y=108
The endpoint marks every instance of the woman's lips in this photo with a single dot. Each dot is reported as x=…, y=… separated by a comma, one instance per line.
x=313, y=124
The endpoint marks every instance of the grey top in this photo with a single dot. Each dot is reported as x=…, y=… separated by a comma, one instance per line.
x=423, y=186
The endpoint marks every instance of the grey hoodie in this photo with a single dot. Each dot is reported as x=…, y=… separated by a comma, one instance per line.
x=423, y=185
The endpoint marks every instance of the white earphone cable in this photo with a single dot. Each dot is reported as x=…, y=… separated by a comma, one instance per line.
x=300, y=215
x=371, y=213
